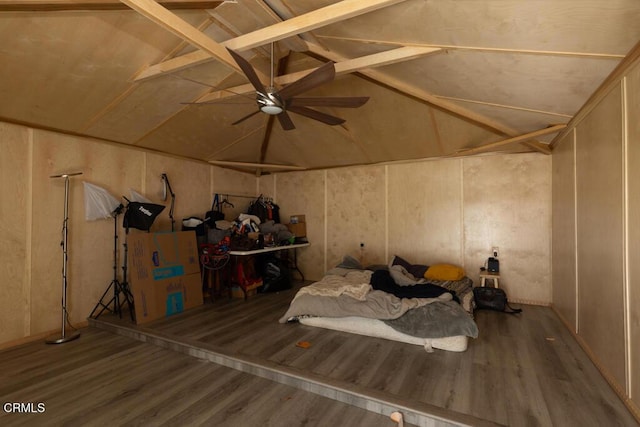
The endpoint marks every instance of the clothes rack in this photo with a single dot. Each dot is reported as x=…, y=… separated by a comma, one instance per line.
x=242, y=196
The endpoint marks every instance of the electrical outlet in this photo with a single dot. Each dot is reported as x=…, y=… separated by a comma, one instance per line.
x=495, y=250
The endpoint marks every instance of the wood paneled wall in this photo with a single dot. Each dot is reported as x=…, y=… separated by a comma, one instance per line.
x=632, y=110
x=564, y=231
x=32, y=210
x=15, y=215
x=440, y=211
x=596, y=235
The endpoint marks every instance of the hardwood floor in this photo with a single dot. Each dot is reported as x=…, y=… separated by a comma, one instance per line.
x=523, y=370
x=108, y=379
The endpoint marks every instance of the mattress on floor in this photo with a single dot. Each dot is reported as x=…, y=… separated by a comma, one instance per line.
x=378, y=329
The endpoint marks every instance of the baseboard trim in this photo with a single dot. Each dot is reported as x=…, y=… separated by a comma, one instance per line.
x=529, y=302
x=37, y=337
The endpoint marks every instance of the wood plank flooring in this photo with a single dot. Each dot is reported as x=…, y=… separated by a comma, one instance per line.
x=107, y=379
x=524, y=370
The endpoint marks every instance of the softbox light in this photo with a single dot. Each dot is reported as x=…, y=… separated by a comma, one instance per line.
x=98, y=203
x=141, y=215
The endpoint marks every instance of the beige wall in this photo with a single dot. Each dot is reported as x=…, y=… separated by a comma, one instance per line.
x=600, y=208
x=633, y=231
x=507, y=203
x=564, y=231
x=15, y=216
x=452, y=210
x=596, y=234
x=31, y=215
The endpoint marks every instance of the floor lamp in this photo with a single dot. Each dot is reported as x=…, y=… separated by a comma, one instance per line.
x=64, y=337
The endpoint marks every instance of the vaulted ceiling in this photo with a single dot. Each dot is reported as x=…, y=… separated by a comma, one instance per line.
x=443, y=77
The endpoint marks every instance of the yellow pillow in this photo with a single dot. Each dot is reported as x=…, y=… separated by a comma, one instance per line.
x=444, y=272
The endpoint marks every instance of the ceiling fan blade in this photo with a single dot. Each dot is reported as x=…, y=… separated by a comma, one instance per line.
x=215, y=103
x=330, y=101
x=248, y=71
x=317, y=115
x=285, y=121
x=245, y=117
x=319, y=76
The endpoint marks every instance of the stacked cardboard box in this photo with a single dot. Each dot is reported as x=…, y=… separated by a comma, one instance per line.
x=164, y=274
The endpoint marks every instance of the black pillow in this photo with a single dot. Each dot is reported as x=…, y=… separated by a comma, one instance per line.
x=417, y=270
x=376, y=267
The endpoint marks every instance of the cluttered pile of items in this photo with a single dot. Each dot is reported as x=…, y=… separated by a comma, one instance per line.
x=259, y=227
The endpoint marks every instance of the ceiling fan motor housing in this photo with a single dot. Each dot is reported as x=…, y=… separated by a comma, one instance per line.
x=269, y=102
x=279, y=103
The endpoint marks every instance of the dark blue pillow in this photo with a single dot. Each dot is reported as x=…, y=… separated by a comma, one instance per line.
x=416, y=270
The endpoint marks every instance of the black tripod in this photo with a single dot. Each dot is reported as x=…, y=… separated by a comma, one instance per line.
x=117, y=286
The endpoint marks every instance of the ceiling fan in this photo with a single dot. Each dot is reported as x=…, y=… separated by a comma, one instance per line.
x=279, y=102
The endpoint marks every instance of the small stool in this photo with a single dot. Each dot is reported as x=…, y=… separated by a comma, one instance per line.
x=212, y=263
x=484, y=275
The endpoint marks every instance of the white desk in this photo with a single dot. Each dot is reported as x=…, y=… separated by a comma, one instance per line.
x=269, y=249
x=293, y=265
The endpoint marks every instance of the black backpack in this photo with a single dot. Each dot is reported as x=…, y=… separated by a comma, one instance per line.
x=493, y=299
x=276, y=275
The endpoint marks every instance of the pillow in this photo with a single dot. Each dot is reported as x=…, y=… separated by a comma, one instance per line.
x=350, y=262
x=444, y=272
x=402, y=277
x=417, y=270
x=400, y=261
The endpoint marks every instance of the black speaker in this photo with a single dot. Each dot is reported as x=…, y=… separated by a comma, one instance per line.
x=493, y=265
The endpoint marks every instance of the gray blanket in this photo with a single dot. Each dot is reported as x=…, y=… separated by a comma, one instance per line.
x=378, y=305
x=420, y=317
x=437, y=320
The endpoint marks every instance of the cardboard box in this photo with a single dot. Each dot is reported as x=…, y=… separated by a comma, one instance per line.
x=164, y=274
x=162, y=255
x=236, y=291
x=166, y=297
x=299, y=229
x=298, y=225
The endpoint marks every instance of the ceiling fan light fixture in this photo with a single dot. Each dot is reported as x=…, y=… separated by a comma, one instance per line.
x=271, y=109
x=278, y=102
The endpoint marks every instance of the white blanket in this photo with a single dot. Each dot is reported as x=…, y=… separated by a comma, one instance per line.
x=354, y=284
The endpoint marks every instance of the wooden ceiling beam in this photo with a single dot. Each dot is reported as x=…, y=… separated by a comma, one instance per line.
x=430, y=98
x=62, y=5
x=388, y=57
x=520, y=138
x=169, y=21
x=343, y=67
x=318, y=18
x=478, y=48
x=264, y=14
x=256, y=165
x=506, y=107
